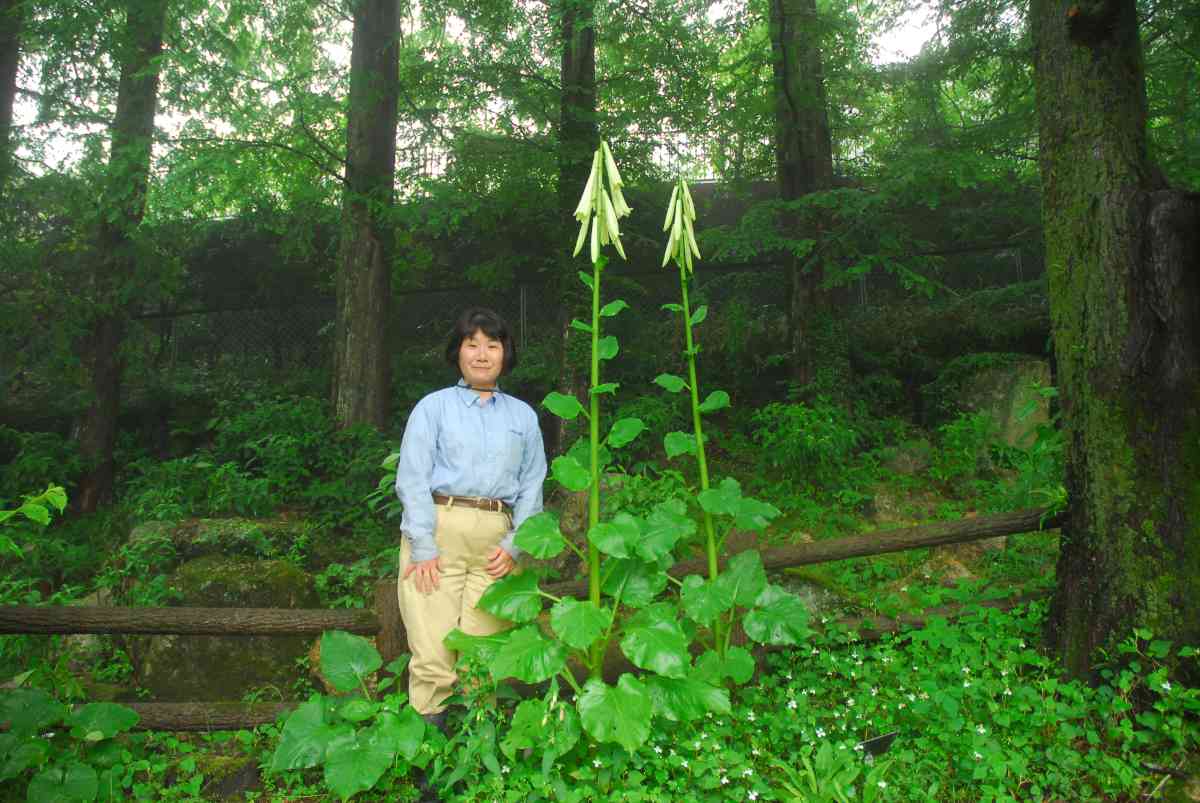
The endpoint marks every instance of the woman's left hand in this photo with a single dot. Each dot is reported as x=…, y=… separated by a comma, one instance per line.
x=499, y=563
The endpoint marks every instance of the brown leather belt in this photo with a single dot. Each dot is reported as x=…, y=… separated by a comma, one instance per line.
x=480, y=502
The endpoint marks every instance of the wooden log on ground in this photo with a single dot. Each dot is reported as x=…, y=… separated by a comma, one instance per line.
x=880, y=542
x=185, y=621
x=206, y=716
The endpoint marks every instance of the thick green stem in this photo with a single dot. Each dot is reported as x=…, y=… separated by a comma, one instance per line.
x=710, y=537
x=597, y=654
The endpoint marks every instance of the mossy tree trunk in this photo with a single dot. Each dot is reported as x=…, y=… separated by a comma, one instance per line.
x=578, y=137
x=122, y=207
x=12, y=14
x=362, y=364
x=803, y=156
x=1123, y=260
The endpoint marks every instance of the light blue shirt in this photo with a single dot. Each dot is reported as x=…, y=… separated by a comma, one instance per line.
x=457, y=445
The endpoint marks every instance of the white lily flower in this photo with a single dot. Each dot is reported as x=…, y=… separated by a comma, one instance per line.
x=601, y=207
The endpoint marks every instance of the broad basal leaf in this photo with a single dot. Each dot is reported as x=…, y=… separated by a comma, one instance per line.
x=64, y=783
x=306, y=734
x=540, y=536
x=579, y=622
x=686, y=699
x=677, y=443
x=638, y=582
x=738, y=666
x=514, y=598
x=404, y=731
x=777, y=617
x=704, y=600
x=528, y=656
x=96, y=721
x=618, y=713
x=346, y=659
x=724, y=500
x=654, y=641
x=481, y=647
x=570, y=474
x=663, y=529
x=618, y=537
x=354, y=762
x=754, y=515
x=745, y=577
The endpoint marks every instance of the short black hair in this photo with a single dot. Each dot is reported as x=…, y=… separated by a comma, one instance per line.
x=482, y=319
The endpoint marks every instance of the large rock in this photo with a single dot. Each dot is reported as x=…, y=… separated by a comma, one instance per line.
x=191, y=538
x=215, y=668
x=1006, y=393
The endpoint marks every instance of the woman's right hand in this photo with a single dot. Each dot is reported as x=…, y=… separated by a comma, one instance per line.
x=427, y=573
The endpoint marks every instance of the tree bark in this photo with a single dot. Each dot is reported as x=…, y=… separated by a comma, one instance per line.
x=578, y=137
x=1123, y=261
x=803, y=156
x=12, y=16
x=362, y=364
x=123, y=205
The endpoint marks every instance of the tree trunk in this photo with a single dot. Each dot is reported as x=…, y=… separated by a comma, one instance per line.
x=803, y=156
x=1123, y=261
x=123, y=205
x=362, y=364
x=578, y=137
x=11, y=19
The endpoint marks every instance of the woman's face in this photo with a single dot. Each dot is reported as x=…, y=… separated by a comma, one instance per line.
x=480, y=359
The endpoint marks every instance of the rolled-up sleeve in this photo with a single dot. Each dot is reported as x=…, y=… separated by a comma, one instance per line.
x=529, y=484
x=414, y=473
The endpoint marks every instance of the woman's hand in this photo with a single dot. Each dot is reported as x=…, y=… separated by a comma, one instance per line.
x=499, y=563
x=427, y=574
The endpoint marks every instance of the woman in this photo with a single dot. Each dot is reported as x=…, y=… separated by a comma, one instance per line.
x=471, y=470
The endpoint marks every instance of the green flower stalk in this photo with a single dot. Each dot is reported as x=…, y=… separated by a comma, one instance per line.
x=681, y=246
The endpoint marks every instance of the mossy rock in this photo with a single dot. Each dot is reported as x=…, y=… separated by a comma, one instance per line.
x=222, y=668
x=191, y=538
x=228, y=777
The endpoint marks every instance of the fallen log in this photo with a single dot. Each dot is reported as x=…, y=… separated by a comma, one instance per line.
x=206, y=716
x=185, y=621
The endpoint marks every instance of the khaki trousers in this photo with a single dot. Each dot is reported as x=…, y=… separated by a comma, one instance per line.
x=465, y=537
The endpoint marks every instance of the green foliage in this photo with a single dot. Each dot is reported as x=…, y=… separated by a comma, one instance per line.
x=35, y=460
x=354, y=737
x=965, y=452
x=811, y=443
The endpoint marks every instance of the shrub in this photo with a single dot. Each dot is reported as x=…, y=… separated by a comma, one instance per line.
x=806, y=442
x=35, y=460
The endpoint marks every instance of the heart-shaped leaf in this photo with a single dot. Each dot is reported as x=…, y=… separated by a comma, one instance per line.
x=305, y=735
x=686, y=699
x=704, y=600
x=515, y=598
x=406, y=731
x=654, y=641
x=69, y=782
x=354, y=762
x=347, y=660
x=637, y=582
x=570, y=474
x=528, y=656
x=670, y=382
x=724, y=500
x=624, y=431
x=562, y=405
x=777, y=618
x=738, y=666
x=717, y=400
x=618, y=537
x=107, y=719
x=677, y=443
x=618, y=713
x=483, y=648
x=579, y=623
x=540, y=536
x=607, y=348
x=745, y=577
x=663, y=529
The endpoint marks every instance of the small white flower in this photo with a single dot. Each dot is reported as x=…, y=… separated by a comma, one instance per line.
x=505, y=769
x=966, y=684
x=752, y=795
x=966, y=670
x=980, y=730
x=792, y=704
x=902, y=705
x=698, y=745
x=684, y=764
x=978, y=756
x=912, y=698
x=746, y=773
x=1166, y=685
x=858, y=748
x=658, y=749
x=724, y=780
x=874, y=691
x=1021, y=643
x=750, y=716
x=596, y=763
x=883, y=784
x=703, y=735
x=1008, y=692
x=1003, y=673
x=754, y=751
x=850, y=703
x=820, y=733
x=815, y=651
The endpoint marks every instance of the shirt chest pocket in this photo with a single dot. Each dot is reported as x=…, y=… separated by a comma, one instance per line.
x=510, y=451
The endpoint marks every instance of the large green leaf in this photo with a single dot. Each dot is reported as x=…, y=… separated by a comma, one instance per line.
x=717, y=400
x=744, y=577
x=677, y=443
x=306, y=733
x=704, y=600
x=356, y=709
x=754, y=515
x=738, y=666
x=624, y=431
x=637, y=581
x=686, y=699
x=354, y=762
x=663, y=528
x=654, y=641
x=540, y=536
x=618, y=713
x=528, y=656
x=404, y=732
x=96, y=721
x=723, y=500
x=19, y=754
x=670, y=382
x=64, y=783
x=618, y=537
x=777, y=617
x=581, y=450
x=550, y=730
x=347, y=660
x=29, y=711
x=579, y=622
x=570, y=473
x=515, y=598
x=607, y=348
x=562, y=405
x=484, y=648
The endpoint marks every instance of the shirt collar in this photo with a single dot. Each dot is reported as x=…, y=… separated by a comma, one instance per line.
x=471, y=398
